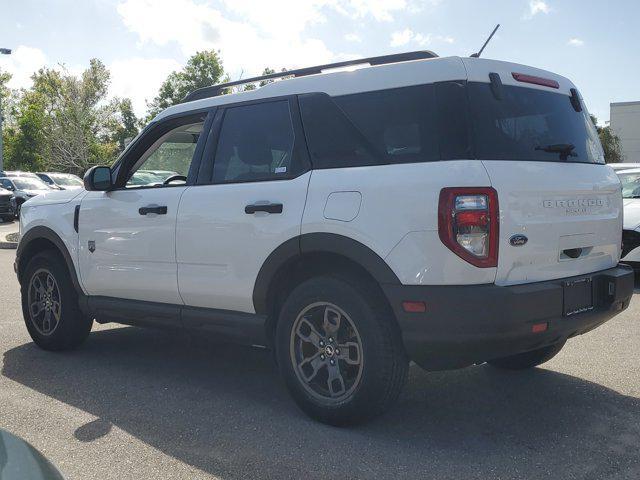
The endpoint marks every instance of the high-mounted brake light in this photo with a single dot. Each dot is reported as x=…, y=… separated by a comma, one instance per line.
x=468, y=224
x=545, y=82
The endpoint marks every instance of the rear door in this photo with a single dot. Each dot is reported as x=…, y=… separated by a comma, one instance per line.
x=543, y=156
x=248, y=200
x=127, y=235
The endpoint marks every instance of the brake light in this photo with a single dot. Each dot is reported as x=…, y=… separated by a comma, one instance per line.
x=468, y=224
x=545, y=82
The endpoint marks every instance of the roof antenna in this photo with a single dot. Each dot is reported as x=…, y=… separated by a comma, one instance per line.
x=477, y=55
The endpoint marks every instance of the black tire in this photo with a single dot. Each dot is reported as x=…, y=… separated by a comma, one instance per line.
x=7, y=218
x=71, y=327
x=383, y=362
x=523, y=361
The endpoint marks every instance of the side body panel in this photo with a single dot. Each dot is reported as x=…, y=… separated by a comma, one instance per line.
x=134, y=255
x=220, y=248
x=398, y=216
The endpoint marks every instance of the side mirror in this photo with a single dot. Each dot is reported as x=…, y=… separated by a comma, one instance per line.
x=98, y=179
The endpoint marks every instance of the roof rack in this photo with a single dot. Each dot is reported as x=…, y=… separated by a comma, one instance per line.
x=215, y=90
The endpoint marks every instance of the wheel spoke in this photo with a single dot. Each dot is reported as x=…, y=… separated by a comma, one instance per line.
x=332, y=319
x=35, y=308
x=311, y=336
x=55, y=308
x=350, y=353
x=46, y=322
x=335, y=382
x=38, y=286
x=310, y=367
x=51, y=283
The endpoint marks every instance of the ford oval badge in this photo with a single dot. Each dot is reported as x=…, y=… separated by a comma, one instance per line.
x=518, y=240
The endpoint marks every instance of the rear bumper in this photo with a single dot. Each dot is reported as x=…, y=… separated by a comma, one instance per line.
x=467, y=324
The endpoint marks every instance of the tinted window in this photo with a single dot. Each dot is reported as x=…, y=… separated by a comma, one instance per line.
x=531, y=124
x=256, y=143
x=381, y=127
x=6, y=183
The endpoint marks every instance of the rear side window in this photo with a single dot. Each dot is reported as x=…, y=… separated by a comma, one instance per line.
x=531, y=124
x=256, y=143
x=371, y=128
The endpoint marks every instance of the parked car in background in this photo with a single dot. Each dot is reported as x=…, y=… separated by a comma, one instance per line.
x=23, y=188
x=18, y=173
x=6, y=211
x=623, y=166
x=630, y=180
x=150, y=177
x=63, y=181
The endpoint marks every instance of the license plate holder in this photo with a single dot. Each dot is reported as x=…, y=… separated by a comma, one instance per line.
x=578, y=296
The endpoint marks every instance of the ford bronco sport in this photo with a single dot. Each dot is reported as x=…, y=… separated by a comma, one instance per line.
x=449, y=211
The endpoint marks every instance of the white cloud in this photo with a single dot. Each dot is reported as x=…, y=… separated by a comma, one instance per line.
x=353, y=37
x=403, y=37
x=140, y=78
x=22, y=64
x=266, y=37
x=536, y=7
x=575, y=42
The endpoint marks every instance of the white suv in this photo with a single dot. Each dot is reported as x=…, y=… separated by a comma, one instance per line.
x=450, y=211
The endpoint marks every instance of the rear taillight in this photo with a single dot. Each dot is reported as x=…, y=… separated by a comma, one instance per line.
x=468, y=224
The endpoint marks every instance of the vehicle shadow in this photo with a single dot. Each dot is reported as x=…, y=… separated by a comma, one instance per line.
x=224, y=410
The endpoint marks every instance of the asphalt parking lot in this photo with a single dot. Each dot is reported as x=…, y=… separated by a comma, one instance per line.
x=142, y=404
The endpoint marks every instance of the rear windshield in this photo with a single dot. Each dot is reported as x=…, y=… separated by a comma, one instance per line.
x=446, y=121
x=530, y=124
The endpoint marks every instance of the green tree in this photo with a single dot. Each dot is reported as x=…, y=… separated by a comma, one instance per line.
x=24, y=138
x=124, y=127
x=202, y=70
x=610, y=142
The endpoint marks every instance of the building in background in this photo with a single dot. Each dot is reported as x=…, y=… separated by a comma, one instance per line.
x=625, y=123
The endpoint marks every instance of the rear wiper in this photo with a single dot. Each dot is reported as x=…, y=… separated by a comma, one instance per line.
x=564, y=149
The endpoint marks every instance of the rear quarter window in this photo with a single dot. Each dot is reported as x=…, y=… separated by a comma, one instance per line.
x=371, y=128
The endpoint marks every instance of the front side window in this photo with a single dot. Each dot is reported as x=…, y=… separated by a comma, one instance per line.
x=255, y=144
x=169, y=156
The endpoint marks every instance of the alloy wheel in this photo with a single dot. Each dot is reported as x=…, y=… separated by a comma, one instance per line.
x=326, y=352
x=45, y=303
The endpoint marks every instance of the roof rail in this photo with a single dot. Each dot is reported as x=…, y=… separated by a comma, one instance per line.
x=215, y=90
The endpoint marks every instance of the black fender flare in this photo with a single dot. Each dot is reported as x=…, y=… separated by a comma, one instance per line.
x=318, y=243
x=41, y=232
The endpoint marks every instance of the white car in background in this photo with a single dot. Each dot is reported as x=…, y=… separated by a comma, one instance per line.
x=618, y=167
x=630, y=180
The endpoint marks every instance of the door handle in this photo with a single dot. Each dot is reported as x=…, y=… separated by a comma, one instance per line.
x=152, y=209
x=263, y=207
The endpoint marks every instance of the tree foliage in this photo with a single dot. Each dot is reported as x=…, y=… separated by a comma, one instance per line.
x=68, y=123
x=202, y=70
x=610, y=142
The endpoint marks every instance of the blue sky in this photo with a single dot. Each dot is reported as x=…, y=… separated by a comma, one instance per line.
x=592, y=42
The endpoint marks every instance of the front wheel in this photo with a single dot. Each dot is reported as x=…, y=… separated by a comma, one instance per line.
x=339, y=351
x=50, y=304
x=523, y=361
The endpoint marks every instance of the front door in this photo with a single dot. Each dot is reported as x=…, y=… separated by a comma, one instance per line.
x=127, y=235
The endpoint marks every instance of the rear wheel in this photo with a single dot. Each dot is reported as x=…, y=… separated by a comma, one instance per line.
x=50, y=304
x=339, y=351
x=523, y=361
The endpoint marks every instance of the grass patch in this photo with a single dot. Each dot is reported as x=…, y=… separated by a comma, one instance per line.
x=13, y=237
